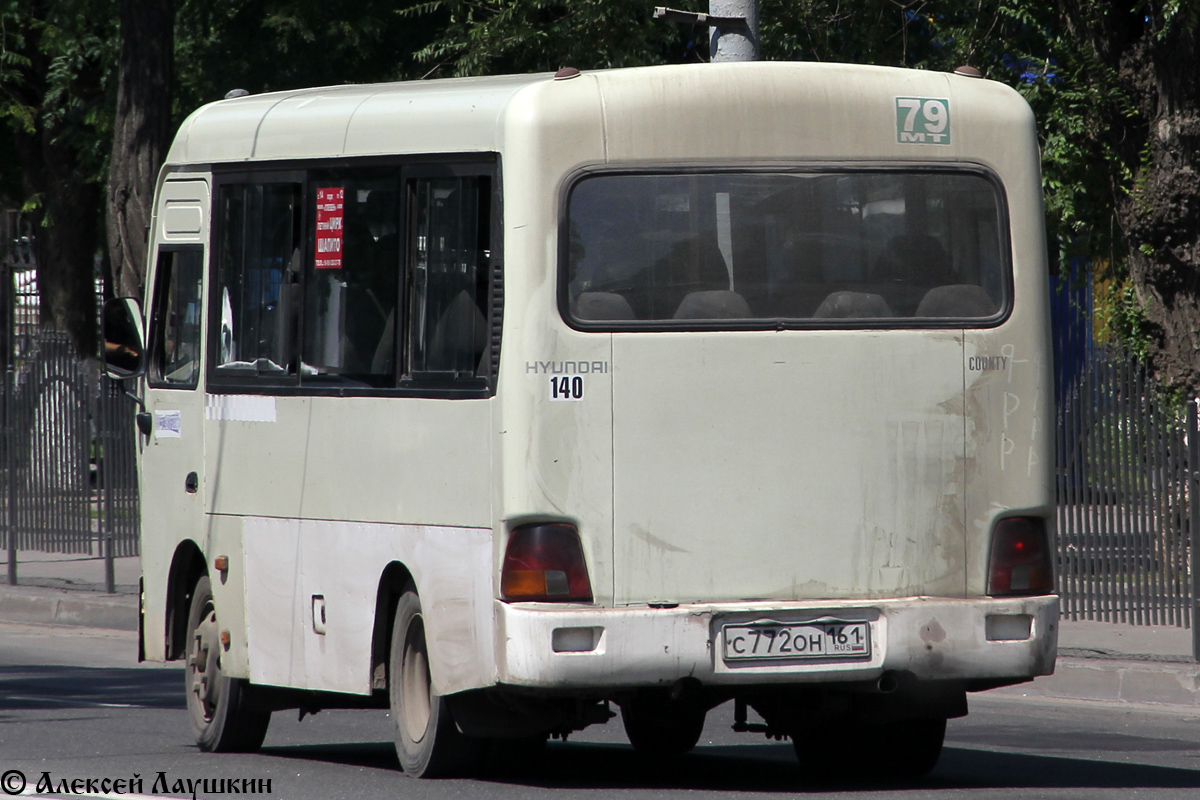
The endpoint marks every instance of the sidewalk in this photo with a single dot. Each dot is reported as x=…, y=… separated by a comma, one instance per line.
x=1115, y=663
x=1097, y=661
x=68, y=589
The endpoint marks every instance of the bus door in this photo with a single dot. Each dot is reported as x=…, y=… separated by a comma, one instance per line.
x=172, y=473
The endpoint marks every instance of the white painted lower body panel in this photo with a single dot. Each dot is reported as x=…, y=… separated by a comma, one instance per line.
x=931, y=638
x=289, y=561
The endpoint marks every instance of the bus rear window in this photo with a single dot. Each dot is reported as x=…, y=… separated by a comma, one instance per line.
x=849, y=248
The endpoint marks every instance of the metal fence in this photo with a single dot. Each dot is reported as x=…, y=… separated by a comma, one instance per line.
x=67, y=458
x=1126, y=459
x=1125, y=522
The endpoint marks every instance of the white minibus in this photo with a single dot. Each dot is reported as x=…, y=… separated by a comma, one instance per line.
x=510, y=404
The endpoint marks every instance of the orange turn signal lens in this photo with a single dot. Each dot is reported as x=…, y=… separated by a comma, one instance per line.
x=545, y=563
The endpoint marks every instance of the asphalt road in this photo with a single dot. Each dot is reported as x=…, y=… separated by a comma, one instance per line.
x=74, y=705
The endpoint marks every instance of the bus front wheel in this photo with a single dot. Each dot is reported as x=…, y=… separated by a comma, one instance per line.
x=219, y=707
x=428, y=742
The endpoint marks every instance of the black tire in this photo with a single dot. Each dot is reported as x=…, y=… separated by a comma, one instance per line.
x=223, y=717
x=428, y=743
x=912, y=747
x=902, y=750
x=660, y=730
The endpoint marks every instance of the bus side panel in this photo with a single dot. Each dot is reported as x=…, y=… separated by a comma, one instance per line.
x=420, y=461
x=159, y=540
x=1008, y=370
x=255, y=453
x=294, y=568
x=223, y=537
x=1009, y=423
x=554, y=452
x=359, y=460
x=558, y=401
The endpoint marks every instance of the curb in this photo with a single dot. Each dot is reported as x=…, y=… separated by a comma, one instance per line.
x=1112, y=678
x=33, y=604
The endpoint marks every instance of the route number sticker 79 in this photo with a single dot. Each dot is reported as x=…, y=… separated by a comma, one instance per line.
x=922, y=120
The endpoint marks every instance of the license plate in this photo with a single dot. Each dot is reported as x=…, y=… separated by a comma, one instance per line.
x=797, y=640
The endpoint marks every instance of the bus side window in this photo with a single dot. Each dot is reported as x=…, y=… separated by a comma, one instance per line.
x=175, y=333
x=449, y=257
x=339, y=278
x=352, y=278
x=259, y=253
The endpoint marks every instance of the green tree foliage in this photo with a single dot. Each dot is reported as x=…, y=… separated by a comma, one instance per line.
x=54, y=75
x=270, y=45
x=56, y=98
x=490, y=37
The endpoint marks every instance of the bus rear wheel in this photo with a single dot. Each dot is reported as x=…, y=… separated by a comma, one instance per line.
x=220, y=709
x=428, y=742
x=655, y=728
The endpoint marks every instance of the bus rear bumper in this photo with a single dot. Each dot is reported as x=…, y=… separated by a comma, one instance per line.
x=584, y=647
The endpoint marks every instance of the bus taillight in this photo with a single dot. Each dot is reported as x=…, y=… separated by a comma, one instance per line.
x=545, y=563
x=1020, y=562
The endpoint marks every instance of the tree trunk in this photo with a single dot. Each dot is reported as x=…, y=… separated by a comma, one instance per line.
x=66, y=258
x=66, y=219
x=64, y=228
x=1153, y=128
x=141, y=136
x=1161, y=214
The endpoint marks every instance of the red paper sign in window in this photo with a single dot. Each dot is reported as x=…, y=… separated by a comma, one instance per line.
x=329, y=228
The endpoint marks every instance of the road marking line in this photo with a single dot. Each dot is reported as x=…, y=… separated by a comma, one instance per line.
x=66, y=702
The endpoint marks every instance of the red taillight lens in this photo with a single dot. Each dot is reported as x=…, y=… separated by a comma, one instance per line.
x=1020, y=562
x=545, y=563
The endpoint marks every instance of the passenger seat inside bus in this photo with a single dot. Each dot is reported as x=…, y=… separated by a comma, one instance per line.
x=959, y=300
x=853, y=305
x=713, y=304
x=909, y=266
x=459, y=338
x=607, y=306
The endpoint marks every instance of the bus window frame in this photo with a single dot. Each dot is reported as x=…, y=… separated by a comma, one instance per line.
x=466, y=169
x=154, y=376
x=218, y=382
x=404, y=384
x=684, y=169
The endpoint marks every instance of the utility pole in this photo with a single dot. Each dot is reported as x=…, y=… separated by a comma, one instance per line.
x=733, y=42
x=733, y=28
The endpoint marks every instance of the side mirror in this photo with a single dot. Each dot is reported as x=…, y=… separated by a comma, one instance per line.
x=124, y=349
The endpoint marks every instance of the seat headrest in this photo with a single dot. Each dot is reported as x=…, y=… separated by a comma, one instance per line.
x=713, y=304
x=958, y=300
x=607, y=306
x=852, y=305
